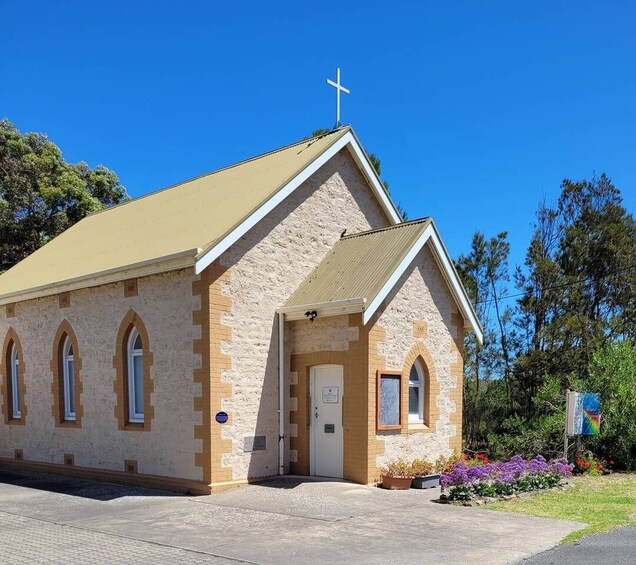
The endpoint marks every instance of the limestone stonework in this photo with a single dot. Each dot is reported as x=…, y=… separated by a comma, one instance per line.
x=165, y=304
x=422, y=294
x=267, y=266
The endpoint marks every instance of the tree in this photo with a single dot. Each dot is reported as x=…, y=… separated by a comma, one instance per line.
x=578, y=297
x=579, y=291
x=41, y=195
x=613, y=375
x=484, y=273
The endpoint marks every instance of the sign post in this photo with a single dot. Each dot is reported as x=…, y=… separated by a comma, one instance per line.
x=582, y=416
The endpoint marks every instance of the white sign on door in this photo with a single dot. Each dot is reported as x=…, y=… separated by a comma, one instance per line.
x=330, y=394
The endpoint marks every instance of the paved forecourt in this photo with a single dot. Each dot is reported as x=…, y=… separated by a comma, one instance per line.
x=289, y=520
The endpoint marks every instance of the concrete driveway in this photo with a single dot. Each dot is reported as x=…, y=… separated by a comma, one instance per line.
x=281, y=521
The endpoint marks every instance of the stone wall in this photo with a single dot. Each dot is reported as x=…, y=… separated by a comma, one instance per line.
x=420, y=320
x=164, y=303
x=267, y=265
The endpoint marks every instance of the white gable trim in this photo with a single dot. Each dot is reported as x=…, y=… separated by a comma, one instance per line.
x=207, y=257
x=443, y=261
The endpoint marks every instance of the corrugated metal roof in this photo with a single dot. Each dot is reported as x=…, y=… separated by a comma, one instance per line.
x=359, y=265
x=181, y=218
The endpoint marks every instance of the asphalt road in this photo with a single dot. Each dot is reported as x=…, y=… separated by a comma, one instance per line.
x=617, y=547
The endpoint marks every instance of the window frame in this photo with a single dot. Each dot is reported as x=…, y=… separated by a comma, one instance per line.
x=131, y=353
x=14, y=373
x=68, y=380
x=397, y=375
x=421, y=385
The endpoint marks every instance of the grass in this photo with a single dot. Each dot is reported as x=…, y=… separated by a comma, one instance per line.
x=602, y=502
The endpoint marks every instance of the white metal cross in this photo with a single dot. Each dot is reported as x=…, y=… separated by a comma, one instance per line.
x=338, y=88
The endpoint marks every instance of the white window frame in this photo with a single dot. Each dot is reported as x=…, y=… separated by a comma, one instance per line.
x=15, y=382
x=133, y=416
x=421, y=385
x=69, y=380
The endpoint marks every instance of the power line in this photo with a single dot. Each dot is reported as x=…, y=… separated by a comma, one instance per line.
x=554, y=287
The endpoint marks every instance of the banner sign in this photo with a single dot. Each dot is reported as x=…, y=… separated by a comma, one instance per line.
x=583, y=413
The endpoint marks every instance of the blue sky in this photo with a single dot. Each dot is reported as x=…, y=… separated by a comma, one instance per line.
x=477, y=110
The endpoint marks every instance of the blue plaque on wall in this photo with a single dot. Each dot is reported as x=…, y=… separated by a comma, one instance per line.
x=221, y=417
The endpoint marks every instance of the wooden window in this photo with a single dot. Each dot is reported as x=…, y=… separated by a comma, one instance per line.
x=389, y=400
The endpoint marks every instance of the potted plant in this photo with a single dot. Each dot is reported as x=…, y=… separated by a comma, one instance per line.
x=397, y=475
x=425, y=474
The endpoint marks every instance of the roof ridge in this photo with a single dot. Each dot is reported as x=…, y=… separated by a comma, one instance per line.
x=308, y=140
x=387, y=228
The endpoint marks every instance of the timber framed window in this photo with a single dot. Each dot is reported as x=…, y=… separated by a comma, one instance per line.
x=13, y=371
x=389, y=400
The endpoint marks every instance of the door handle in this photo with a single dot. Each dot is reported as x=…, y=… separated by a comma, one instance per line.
x=309, y=403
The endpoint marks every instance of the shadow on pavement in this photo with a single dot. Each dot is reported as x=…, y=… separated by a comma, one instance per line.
x=75, y=487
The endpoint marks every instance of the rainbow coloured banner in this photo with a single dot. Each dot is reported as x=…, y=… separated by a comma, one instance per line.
x=583, y=413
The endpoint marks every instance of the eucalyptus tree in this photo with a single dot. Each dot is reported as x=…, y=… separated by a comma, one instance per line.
x=41, y=195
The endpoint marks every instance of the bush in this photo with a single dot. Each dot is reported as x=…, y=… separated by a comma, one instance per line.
x=613, y=375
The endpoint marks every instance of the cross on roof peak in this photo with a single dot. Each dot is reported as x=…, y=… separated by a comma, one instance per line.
x=338, y=88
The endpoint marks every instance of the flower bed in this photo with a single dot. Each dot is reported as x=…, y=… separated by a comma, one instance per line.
x=465, y=482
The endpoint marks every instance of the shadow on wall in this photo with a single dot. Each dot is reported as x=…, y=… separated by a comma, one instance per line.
x=263, y=445
x=76, y=487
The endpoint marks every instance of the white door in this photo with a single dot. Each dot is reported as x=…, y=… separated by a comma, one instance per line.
x=326, y=383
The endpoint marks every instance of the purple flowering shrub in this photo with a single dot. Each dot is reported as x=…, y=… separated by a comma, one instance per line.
x=504, y=478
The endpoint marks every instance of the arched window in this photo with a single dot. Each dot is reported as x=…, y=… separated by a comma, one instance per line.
x=14, y=374
x=135, y=378
x=13, y=388
x=417, y=391
x=133, y=384
x=68, y=368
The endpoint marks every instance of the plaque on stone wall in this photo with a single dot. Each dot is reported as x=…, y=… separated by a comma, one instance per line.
x=254, y=443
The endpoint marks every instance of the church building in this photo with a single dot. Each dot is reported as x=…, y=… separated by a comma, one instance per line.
x=272, y=317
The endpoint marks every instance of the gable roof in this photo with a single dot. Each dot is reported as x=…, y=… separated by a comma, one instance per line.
x=361, y=269
x=188, y=224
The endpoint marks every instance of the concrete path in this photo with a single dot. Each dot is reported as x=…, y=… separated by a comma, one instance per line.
x=291, y=520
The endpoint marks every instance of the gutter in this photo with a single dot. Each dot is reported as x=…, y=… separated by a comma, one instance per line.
x=171, y=262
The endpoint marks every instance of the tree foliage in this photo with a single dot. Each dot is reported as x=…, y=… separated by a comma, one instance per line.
x=613, y=375
x=484, y=271
x=41, y=195
x=577, y=297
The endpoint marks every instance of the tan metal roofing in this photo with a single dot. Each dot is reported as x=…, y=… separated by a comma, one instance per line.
x=359, y=265
x=180, y=219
